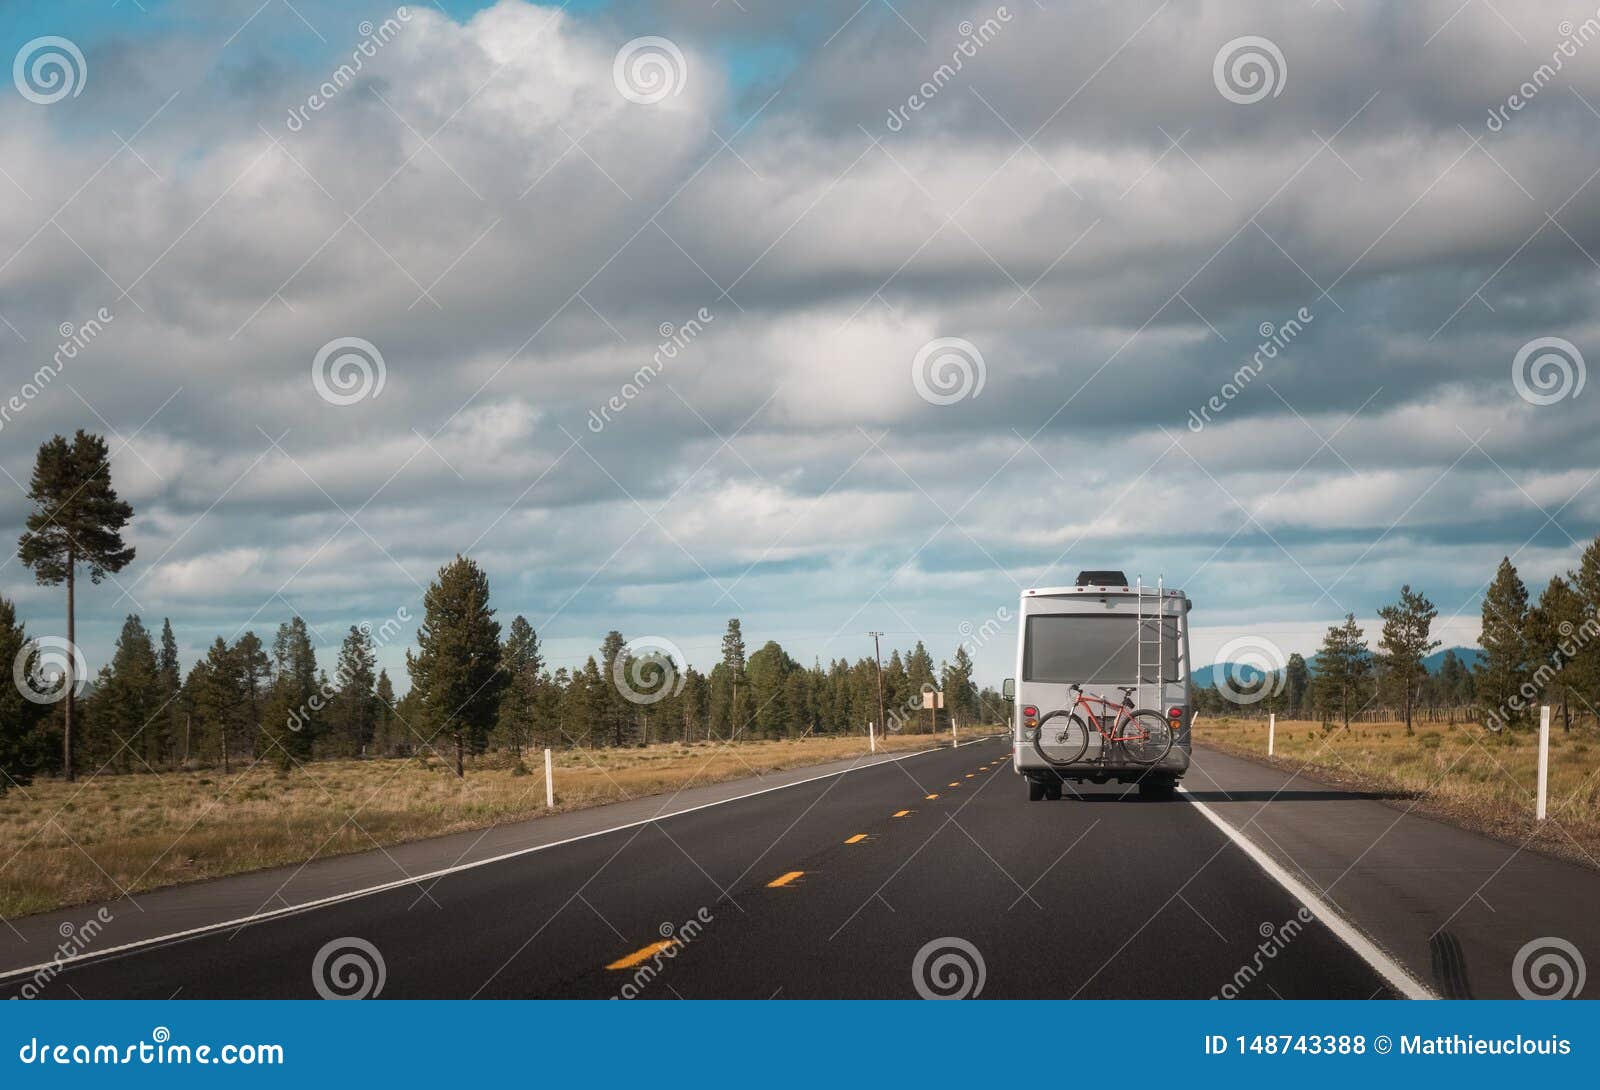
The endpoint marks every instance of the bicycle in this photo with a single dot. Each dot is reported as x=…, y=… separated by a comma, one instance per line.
x=1144, y=736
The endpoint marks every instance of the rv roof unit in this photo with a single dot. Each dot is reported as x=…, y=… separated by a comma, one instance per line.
x=1102, y=579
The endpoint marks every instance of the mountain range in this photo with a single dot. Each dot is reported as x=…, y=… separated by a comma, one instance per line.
x=1205, y=675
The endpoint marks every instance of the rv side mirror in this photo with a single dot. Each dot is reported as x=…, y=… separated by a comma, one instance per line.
x=1008, y=688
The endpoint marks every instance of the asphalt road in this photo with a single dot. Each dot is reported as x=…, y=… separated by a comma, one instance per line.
x=938, y=855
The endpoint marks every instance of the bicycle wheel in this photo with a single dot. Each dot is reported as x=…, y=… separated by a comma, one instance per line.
x=1146, y=737
x=1062, y=742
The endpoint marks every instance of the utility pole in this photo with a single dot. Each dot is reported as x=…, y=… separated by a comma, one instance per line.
x=878, y=657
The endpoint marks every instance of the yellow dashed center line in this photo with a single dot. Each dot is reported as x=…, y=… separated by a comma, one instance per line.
x=952, y=785
x=933, y=796
x=971, y=774
x=858, y=838
x=901, y=813
x=784, y=879
x=644, y=954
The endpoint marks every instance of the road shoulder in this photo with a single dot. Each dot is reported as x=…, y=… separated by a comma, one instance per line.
x=1454, y=906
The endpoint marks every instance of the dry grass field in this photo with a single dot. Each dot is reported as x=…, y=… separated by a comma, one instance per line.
x=1462, y=773
x=63, y=844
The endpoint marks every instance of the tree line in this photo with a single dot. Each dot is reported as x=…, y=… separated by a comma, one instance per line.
x=1532, y=652
x=472, y=689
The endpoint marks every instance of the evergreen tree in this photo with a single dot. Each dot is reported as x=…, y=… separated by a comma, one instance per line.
x=456, y=670
x=385, y=740
x=1555, y=642
x=522, y=663
x=130, y=700
x=354, y=715
x=733, y=663
x=1296, y=685
x=22, y=721
x=253, y=674
x=77, y=521
x=1406, y=641
x=1344, y=667
x=1455, y=682
x=1504, y=667
x=960, y=695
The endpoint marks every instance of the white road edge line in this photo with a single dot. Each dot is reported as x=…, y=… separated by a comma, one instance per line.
x=355, y=894
x=1369, y=952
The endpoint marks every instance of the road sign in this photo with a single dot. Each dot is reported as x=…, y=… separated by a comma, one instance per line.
x=931, y=699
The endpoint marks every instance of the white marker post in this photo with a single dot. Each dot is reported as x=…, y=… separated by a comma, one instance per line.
x=954, y=741
x=549, y=784
x=1272, y=731
x=872, y=737
x=1544, y=759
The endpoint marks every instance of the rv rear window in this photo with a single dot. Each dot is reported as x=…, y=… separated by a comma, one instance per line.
x=1086, y=648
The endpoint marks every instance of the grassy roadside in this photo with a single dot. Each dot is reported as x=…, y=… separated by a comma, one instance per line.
x=64, y=844
x=1460, y=773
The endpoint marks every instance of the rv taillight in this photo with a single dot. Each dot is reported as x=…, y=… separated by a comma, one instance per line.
x=1174, y=713
x=1030, y=712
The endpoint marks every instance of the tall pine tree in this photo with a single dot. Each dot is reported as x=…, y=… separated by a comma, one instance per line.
x=456, y=670
x=76, y=522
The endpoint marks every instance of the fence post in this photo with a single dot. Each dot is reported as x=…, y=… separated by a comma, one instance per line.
x=549, y=784
x=1272, y=731
x=1544, y=759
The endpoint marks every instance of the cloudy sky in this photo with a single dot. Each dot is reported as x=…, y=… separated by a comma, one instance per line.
x=957, y=291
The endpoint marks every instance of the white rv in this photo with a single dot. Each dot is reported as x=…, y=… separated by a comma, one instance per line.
x=1101, y=692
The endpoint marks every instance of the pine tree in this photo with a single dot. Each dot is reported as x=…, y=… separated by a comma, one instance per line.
x=1407, y=640
x=293, y=712
x=130, y=699
x=22, y=721
x=960, y=695
x=522, y=663
x=1296, y=685
x=456, y=670
x=77, y=521
x=1555, y=641
x=733, y=663
x=352, y=717
x=1344, y=667
x=383, y=715
x=1504, y=667
x=253, y=668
